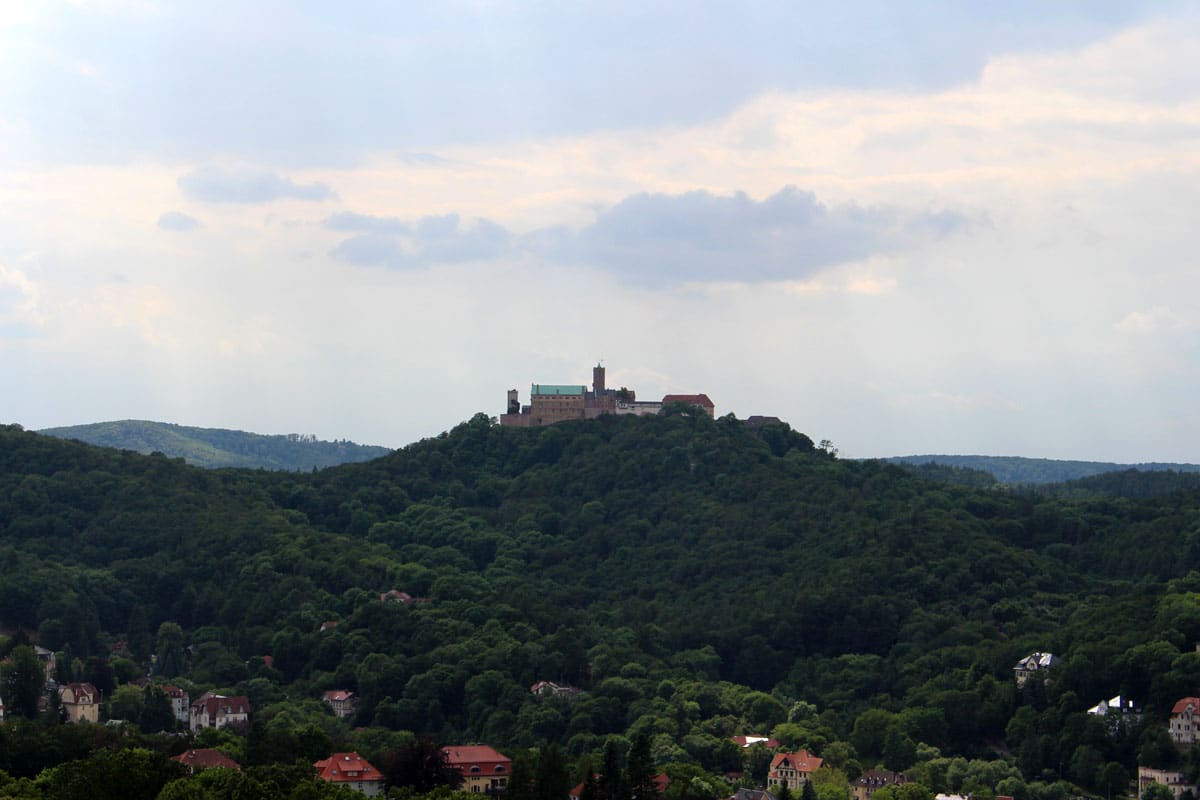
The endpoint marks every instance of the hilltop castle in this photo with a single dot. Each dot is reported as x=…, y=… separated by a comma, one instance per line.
x=551, y=403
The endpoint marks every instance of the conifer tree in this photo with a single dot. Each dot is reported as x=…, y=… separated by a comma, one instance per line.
x=640, y=773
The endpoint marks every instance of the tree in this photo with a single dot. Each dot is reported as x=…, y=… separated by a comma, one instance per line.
x=134, y=774
x=169, y=650
x=22, y=678
x=552, y=780
x=420, y=764
x=157, y=713
x=611, y=783
x=1156, y=791
x=128, y=703
x=640, y=773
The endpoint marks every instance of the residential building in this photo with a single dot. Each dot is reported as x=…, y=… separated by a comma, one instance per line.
x=1032, y=664
x=1117, y=713
x=751, y=739
x=752, y=794
x=196, y=760
x=352, y=771
x=1185, y=722
x=403, y=598
x=343, y=703
x=874, y=779
x=1172, y=780
x=483, y=769
x=80, y=702
x=551, y=689
x=216, y=711
x=180, y=702
x=792, y=770
x=48, y=660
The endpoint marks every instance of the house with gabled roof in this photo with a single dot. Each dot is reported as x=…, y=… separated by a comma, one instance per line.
x=181, y=702
x=552, y=689
x=1031, y=665
x=403, y=598
x=1184, y=726
x=216, y=711
x=343, y=702
x=206, y=758
x=792, y=770
x=483, y=769
x=80, y=702
x=352, y=771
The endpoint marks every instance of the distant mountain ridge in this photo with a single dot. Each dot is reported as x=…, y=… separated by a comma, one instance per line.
x=220, y=447
x=1017, y=470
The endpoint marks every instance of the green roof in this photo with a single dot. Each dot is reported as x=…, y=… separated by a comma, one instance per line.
x=550, y=388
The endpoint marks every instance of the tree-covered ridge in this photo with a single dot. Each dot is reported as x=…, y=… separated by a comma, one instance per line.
x=694, y=579
x=219, y=447
x=1015, y=470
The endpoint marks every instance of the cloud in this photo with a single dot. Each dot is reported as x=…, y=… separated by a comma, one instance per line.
x=177, y=221
x=661, y=239
x=367, y=223
x=19, y=301
x=211, y=184
x=423, y=160
x=700, y=236
x=431, y=240
x=1155, y=319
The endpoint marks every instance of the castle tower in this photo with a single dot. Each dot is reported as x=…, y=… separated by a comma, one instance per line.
x=514, y=404
x=598, y=380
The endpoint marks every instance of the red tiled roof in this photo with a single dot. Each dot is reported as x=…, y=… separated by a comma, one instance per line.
x=1182, y=705
x=345, y=768
x=469, y=754
x=203, y=759
x=173, y=691
x=219, y=704
x=337, y=696
x=802, y=761
x=693, y=399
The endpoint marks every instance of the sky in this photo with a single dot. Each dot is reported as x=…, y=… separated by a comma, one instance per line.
x=905, y=227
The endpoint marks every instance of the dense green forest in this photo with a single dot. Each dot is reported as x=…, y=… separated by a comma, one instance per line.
x=1017, y=470
x=696, y=580
x=218, y=447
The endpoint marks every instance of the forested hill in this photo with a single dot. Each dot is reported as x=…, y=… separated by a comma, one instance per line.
x=218, y=447
x=694, y=579
x=1016, y=470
